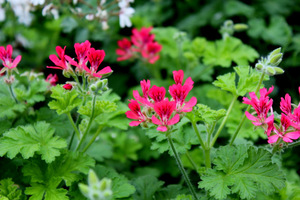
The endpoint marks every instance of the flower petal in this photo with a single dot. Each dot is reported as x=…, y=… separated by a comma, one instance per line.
x=155, y=120
x=273, y=139
x=174, y=120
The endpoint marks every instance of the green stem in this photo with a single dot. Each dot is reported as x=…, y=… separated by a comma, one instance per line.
x=73, y=134
x=182, y=170
x=198, y=135
x=294, y=144
x=73, y=124
x=12, y=93
x=224, y=121
x=191, y=161
x=248, y=109
x=207, y=158
x=89, y=124
x=93, y=139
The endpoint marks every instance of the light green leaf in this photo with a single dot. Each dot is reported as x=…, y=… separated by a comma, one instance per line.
x=31, y=139
x=146, y=186
x=42, y=192
x=65, y=100
x=226, y=82
x=100, y=107
x=9, y=190
x=242, y=172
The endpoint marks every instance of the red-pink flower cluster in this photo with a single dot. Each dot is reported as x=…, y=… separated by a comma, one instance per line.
x=6, y=57
x=141, y=42
x=84, y=54
x=289, y=127
x=52, y=79
x=154, y=107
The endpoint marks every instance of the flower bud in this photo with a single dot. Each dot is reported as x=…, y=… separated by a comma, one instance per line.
x=93, y=87
x=84, y=189
x=92, y=178
x=68, y=86
x=278, y=70
x=276, y=59
x=274, y=52
x=240, y=27
x=259, y=66
x=270, y=71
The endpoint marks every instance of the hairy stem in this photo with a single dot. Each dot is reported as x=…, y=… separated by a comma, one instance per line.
x=73, y=124
x=224, y=121
x=90, y=122
x=12, y=93
x=182, y=170
x=207, y=158
x=191, y=161
x=248, y=109
x=93, y=139
x=198, y=135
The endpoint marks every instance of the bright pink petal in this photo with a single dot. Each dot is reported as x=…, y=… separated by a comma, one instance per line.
x=131, y=115
x=105, y=70
x=134, y=123
x=155, y=120
x=286, y=139
x=250, y=117
x=16, y=61
x=162, y=128
x=174, y=120
x=272, y=139
x=188, y=107
x=293, y=135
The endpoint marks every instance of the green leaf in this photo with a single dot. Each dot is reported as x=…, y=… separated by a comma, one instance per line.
x=120, y=185
x=206, y=114
x=68, y=24
x=9, y=189
x=45, y=178
x=226, y=82
x=100, y=107
x=242, y=171
x=60, y=123
x=31, y=139
x=146, y=186
x=224, y=52
x=40, y=192
x=100, y=150
x=182, y=142
x=32, y=94
x=65, y=100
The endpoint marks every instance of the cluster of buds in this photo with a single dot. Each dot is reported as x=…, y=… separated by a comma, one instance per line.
x=142, y=43
x=289, y=127
x=229, y=28
x=96, y=189
x=269, y=65
x=154, y=107
x=85, y=54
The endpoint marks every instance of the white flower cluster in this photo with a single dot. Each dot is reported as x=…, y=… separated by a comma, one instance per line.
x=125, y=13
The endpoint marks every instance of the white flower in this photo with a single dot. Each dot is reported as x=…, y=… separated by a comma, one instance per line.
x=2, y=14
x=75, y=2
x=89, y=17
x=49, y=9
x=22, y=10
x=125, y=13
x=104, y=25
x=37, y=2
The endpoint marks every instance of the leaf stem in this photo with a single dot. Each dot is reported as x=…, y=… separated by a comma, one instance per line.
x=223, y=121
x=89, y=124
x=248, y=109
x=294, y=144
x=182, y=170
x=191, y=160
x=73, y=124
x=198, y=134
x=93, y=139
x=207, y=158
x=12, y=93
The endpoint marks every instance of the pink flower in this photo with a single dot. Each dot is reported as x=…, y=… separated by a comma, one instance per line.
x=283, y=132
x=164, y=109
x=142, y=37
x=135, y=113
x=286, y=105
x=145, y=89
x=61, y=62
x=68, y=86
x=125, y=51
x=178, y=78
x=261, y=107
x=179, y=93
x=52, y=79
x=150, y=52
x=81, y=50
x=95, y=58
x=157, y=93
x=6, y=57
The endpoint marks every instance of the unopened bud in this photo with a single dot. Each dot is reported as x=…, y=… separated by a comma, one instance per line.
x=278, y=70
x=259, y=66
x=99, y=84
x=66, y=74
x=93, y=87
x=105, y=184
x=240, y=27
x=274, y=52
x=92, y=178
x=276, y=59
x=228, y=23
x=271, y=71
x=84, y=189
x=68, y=86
